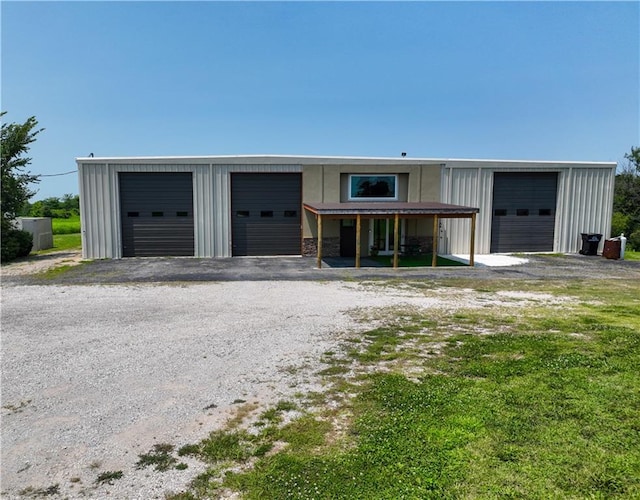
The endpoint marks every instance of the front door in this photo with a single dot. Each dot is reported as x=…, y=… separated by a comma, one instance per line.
x=381, y=235
x=347, y=238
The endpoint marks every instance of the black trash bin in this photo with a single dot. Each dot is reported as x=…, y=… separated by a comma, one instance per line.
x=590, y=243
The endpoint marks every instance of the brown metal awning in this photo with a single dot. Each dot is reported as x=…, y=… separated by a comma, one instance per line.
x=385, y=210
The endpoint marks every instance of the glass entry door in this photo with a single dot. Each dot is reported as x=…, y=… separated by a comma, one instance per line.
x=381, y=235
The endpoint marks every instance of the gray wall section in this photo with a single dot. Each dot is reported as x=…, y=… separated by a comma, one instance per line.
x=100, y=204
x=584, y=201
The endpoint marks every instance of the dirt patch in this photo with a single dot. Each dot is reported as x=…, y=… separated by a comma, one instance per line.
x=34, y=264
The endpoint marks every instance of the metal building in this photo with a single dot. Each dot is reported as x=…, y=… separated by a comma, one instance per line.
x=222, y=206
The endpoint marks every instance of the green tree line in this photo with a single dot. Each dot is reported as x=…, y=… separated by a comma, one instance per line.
x=60, y=208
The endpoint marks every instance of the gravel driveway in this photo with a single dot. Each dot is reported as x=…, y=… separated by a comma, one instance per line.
x=94, y=375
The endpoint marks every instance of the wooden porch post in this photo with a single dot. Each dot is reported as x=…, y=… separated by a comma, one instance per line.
x=396, y=223
x=319, y=241
x=358, y=241
x=434, y=256
x=473, y=238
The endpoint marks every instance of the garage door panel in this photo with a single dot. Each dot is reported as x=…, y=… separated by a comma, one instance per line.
x=523, y=211
x=266, y=213
x=157, y=214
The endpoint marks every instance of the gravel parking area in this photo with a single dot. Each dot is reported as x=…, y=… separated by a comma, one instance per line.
x=95, y=375
x=112, y=357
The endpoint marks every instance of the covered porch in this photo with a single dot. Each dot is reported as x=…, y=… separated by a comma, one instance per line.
x=395, y=211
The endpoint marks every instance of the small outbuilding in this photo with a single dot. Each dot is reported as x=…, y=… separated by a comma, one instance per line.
x=40, y=229
x=223, y=206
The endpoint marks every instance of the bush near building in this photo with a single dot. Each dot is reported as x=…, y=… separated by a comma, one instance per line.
x=626, y=201
x=15, y=181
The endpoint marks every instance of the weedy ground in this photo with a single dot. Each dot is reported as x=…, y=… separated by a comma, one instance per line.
x=538, y=401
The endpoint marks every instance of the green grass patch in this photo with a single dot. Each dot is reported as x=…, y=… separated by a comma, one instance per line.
x=55, y=272
x=63, y=242
x=543, y=404
x=109, y=476
x=631, y=255
x=67, y=241
x=415, y=261
x=159, y=457
x=66, y=226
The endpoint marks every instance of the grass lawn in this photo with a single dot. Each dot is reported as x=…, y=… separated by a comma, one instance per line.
x=63, y=242
x=536, y=401
x=66, y=226
x=66, y=235
x=415, y=261
x=67, y=241
x=631, y=255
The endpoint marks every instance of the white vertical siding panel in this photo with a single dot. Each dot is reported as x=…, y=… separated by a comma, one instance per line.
x=97, y=212
x=222, y=212
x=563, y=205
x=203, y=211
x=471, y=187
x=586, y=200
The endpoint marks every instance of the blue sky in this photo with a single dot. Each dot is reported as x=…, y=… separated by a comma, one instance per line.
x=507, y=80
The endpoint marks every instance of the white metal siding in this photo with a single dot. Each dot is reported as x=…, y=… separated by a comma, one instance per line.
x=469, y=187
x=100, y=204
x=99, y=201
x=584, y=203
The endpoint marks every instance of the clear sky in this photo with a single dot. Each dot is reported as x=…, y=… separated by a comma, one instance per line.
x=504, y=80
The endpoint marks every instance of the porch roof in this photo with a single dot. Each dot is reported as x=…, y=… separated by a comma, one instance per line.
x=385, y=208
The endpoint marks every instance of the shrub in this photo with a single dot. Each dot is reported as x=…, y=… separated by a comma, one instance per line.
x=620, y=223
x=15, y=243
x=633, y=242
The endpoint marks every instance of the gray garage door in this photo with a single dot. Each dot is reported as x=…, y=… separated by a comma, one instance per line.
x=266, y=214
x=157, y=213
x=524, y=211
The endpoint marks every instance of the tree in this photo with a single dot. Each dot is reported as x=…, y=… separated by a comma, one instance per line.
x=62, y=208
x=634, y=158
x=626, y=200
x=15, y=179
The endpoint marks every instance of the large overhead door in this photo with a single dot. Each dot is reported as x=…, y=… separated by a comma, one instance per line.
x=266, y=214
x=156, y=213
x=524, y=211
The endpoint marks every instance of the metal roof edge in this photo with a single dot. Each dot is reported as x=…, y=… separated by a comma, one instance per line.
x=311, y=160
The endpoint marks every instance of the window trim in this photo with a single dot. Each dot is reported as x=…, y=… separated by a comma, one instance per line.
x=361, y=198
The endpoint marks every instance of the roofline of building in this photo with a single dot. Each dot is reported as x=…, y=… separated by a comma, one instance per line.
x=324, y=160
